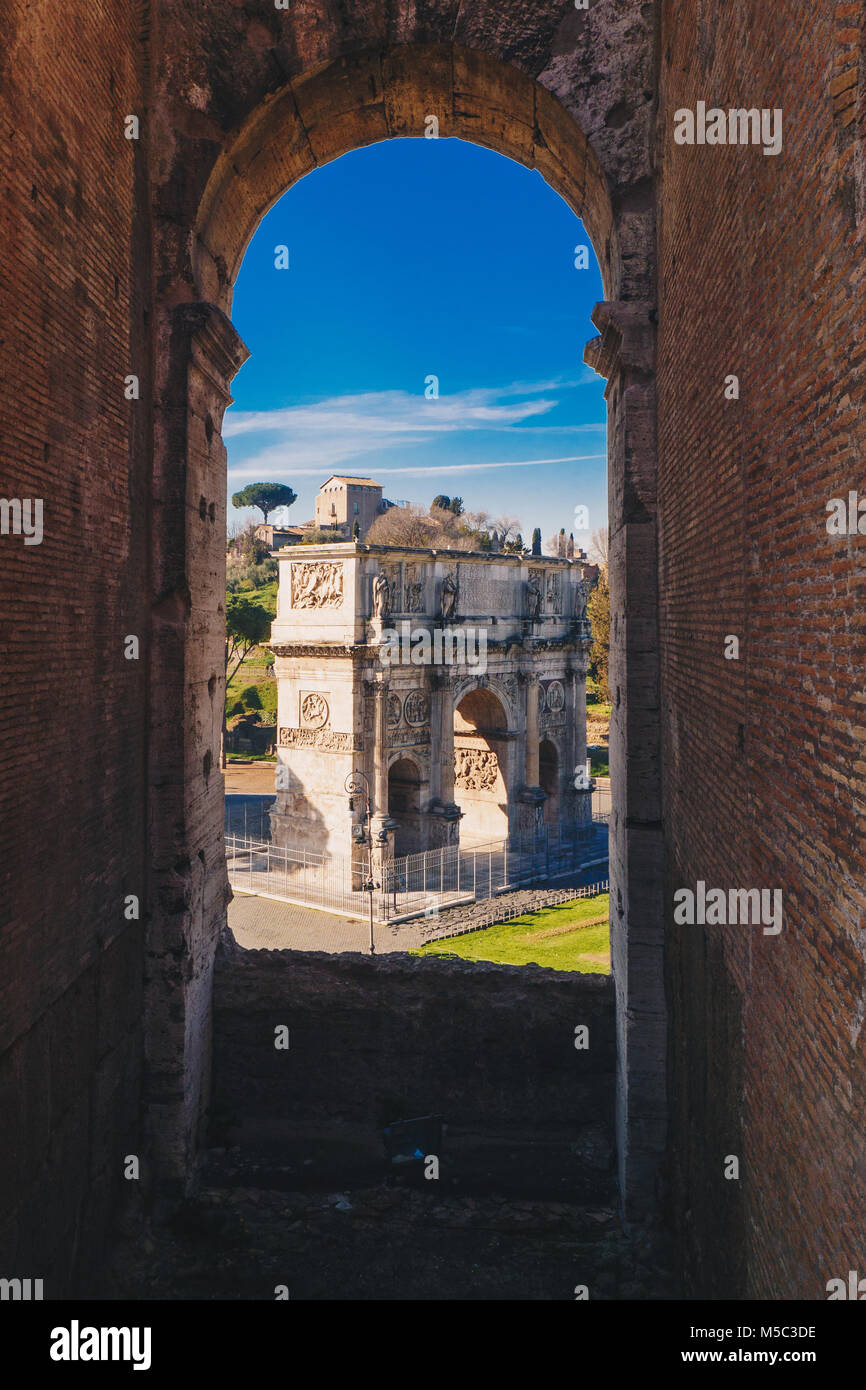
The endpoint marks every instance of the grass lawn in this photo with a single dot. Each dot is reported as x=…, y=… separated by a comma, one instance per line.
x=599, y=765
x=247, y=675
x=571, y=937
x=266, y=595
x=598, y=712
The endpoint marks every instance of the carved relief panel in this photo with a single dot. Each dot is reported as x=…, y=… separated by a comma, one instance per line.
x=476, y=769
x=551, y=701
x=317, y=584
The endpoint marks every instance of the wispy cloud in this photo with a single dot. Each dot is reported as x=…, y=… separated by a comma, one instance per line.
x=326, y=435
x=477, y=467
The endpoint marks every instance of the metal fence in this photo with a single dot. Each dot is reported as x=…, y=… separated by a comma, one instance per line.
x=601, y=803
x=248, y=816
x=403, y=886
x=415, y=883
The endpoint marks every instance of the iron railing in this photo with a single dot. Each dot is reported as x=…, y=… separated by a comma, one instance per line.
x=411, y=884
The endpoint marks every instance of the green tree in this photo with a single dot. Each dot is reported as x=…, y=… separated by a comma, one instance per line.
x=441, y=503
x=536, y=541
x=247, y=624
x=266, y=496
x=356, y=530
x=598, y=612
x=252, y=551
x=456, y=506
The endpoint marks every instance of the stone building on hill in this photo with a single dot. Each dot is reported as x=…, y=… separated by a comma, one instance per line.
x=342, y=501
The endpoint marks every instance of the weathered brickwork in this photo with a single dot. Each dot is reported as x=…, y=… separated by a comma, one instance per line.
x=762, y=265
x=491, y=1047
x=74, y=288
x=120, y=254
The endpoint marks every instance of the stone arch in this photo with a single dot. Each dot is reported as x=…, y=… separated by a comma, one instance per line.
x=405, y=781
x=483, y=775
x=233, y=136
x=496, y=689
x=368, y=97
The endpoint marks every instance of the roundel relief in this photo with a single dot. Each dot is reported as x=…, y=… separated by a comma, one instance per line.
x=416, y=709
x=314, y=711
x=555, y=696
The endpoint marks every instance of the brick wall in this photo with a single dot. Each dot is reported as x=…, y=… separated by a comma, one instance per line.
x=72, y=727
x=761, y=274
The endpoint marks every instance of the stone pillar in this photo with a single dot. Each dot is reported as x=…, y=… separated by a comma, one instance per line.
x=380, y=751
x=436, y=742
x=531, y=799
x=579, y=802
x=625, y=353
x=382, y=827
x=200, y=351
x=446, y=744
x=442, y=803
x=531, y=764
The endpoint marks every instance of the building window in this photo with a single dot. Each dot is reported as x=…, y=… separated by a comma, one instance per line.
x=355, y=509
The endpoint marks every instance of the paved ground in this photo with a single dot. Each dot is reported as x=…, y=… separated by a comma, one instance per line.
x=250, y=779
x=264, y=924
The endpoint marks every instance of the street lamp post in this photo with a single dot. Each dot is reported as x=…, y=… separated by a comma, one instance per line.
x=357, y=786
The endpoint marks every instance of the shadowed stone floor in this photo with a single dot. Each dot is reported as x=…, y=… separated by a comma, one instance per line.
x=244, y=1236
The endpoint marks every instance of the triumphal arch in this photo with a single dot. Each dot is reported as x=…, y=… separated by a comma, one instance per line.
x=451, y=685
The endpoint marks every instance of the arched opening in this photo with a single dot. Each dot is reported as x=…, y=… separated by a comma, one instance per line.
x=548, y=779
x=404, y=805
x=378, y=96
x=347, y=102
x=481, y=767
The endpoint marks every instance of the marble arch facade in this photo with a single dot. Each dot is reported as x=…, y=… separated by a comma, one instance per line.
x=354, y=698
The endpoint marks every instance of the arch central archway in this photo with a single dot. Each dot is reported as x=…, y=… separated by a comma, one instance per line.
x=481, y=768
x=213, y=188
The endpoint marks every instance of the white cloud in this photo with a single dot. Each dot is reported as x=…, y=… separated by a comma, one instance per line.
x=325, y=435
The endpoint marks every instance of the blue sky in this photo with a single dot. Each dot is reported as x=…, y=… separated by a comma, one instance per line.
x=408, y=259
